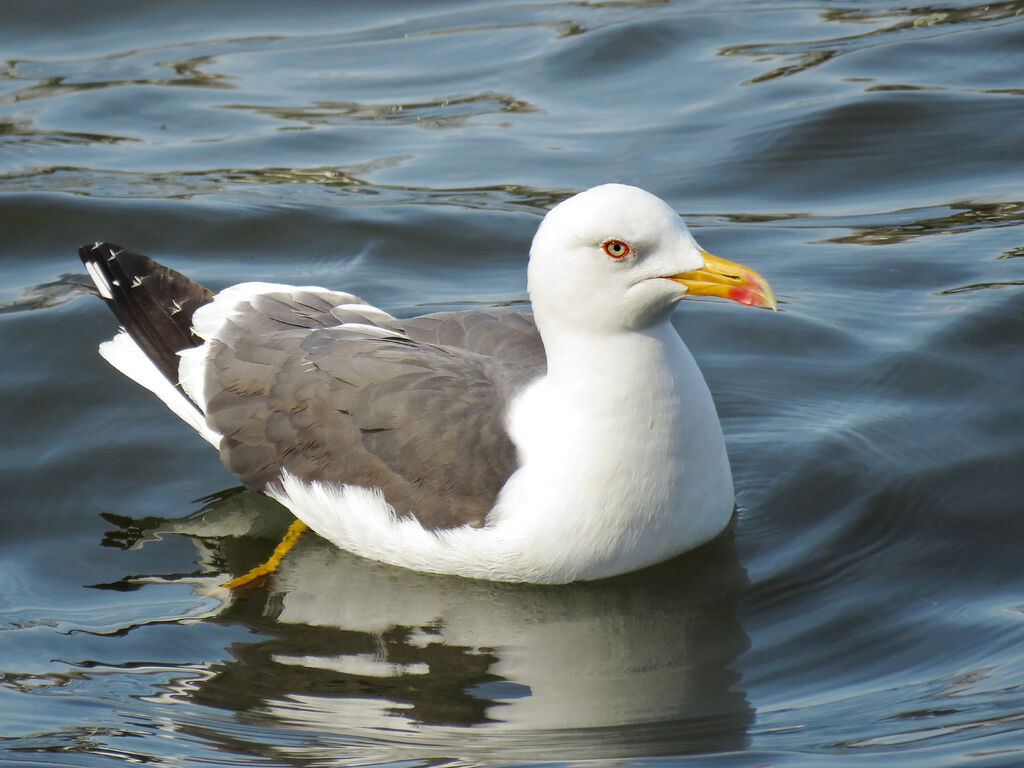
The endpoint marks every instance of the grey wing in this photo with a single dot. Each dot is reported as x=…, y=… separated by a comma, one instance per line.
x=505, y=335
x=416, y=408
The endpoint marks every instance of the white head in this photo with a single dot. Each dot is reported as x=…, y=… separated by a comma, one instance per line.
x=617, y=258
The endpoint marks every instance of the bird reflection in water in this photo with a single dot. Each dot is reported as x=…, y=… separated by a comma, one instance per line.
x=396, y=660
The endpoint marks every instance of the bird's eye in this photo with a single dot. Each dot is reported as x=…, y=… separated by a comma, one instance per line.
x=616, y=249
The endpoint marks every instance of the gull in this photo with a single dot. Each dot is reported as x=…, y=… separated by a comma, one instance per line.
x=574, y=443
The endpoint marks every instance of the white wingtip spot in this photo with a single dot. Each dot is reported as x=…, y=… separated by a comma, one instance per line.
x=99, y=279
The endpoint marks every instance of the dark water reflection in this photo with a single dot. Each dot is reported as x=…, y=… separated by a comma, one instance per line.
x=866, y=607
x=641, y=664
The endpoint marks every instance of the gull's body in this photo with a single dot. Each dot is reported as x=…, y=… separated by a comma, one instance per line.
x=578, y=444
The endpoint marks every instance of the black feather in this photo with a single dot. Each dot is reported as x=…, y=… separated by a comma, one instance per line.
x=153, y=303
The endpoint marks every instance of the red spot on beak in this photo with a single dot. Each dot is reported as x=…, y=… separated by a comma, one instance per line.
x=744, y=296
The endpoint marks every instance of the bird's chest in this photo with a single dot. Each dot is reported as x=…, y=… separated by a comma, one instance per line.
x=593, y=447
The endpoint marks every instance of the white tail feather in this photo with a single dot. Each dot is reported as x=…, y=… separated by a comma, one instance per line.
x=127, y=357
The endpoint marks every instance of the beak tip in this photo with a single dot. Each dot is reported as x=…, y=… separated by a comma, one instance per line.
x=726, y=279
x=755, y=293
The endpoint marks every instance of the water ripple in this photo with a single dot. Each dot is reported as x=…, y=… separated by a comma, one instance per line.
x=887, y=27
x=452, y=112
x=864, y=609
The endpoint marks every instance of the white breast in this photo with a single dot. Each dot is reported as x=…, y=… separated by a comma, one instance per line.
x=618, y=471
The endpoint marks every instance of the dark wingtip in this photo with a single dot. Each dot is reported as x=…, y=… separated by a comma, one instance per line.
x=98, y=252
x=153, y=303
x=97, y=258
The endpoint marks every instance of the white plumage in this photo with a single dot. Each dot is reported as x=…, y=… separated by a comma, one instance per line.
x=621, y=458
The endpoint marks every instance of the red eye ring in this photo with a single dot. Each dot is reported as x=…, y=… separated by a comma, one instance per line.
x=615, y=249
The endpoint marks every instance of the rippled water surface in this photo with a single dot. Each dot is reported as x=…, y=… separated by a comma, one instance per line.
x=868, y=606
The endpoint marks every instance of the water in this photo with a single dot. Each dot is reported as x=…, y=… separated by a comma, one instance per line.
x=868, y=159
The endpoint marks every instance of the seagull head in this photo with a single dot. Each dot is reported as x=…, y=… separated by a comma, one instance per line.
x=617, y=258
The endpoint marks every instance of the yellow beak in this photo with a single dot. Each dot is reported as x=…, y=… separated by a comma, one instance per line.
x=729, y=280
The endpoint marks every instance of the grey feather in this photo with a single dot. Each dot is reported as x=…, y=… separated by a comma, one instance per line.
x=418, y=412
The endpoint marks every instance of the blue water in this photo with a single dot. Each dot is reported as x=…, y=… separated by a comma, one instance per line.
x=866, y=609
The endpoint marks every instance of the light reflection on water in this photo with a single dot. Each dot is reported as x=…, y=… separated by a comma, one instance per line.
x=866, y=607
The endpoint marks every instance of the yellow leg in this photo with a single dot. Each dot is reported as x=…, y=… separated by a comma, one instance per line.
x=282, y=549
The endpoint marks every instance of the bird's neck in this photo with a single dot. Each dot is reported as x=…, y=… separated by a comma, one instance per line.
x=570, y=352
x=638, y=392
